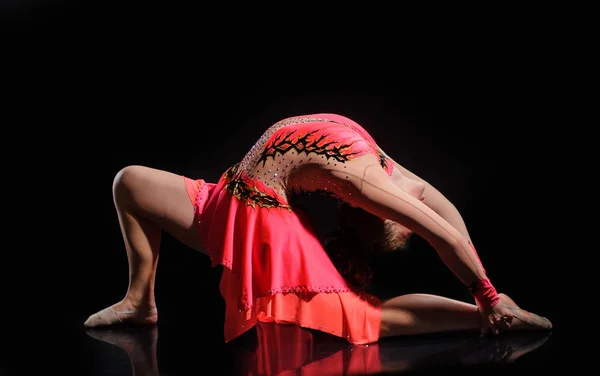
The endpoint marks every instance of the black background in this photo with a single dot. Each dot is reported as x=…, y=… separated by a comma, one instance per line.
x=187, y=89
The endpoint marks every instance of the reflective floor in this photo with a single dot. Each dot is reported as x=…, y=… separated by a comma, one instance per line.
x=273, y=349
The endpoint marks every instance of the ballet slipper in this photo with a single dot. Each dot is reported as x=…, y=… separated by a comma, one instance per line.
x=110, y=316
x=530, y=320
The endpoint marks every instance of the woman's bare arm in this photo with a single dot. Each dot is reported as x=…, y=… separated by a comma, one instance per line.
x=363, y=183
x=435, y=200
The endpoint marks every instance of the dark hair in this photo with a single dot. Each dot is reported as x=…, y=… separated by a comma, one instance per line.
x=359, y=236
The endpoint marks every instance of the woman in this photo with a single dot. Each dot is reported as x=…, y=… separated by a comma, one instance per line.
x=275, y=268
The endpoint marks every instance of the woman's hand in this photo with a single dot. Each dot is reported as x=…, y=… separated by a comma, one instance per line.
x=495, y=319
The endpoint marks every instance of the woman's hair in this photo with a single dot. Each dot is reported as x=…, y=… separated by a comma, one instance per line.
x=359, y=236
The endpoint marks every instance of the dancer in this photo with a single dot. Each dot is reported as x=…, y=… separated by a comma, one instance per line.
x=275, y=268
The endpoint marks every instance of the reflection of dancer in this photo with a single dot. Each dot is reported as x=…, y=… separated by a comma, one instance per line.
x=502, y=350
x=291, y=350
x=138, y=342
x=275, y=269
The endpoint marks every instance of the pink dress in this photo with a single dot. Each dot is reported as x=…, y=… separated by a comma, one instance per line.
x=275, y=268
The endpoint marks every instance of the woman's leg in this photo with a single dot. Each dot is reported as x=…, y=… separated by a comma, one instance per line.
x=424, y=314
x=147, y=201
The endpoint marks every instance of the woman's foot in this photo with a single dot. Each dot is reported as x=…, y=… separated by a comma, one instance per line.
x=524, y=320
x=123, y=312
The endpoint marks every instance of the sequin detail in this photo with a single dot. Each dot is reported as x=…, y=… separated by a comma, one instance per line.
x=255, y=153
x=321, y=144
x=240, y=189
x=200, y=198
x=245, y=304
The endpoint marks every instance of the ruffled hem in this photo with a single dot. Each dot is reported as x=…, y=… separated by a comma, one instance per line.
x=354, y=316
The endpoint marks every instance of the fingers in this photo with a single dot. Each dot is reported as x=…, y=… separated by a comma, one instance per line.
x=505, y=322
x=495, y=324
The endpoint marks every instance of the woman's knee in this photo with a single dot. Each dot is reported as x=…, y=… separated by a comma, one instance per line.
x=127, y=181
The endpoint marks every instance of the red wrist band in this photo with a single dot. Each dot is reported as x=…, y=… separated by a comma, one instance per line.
x=485, y=294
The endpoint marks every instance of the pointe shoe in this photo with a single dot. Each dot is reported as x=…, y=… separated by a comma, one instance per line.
x=110, y=316
x=531, y=320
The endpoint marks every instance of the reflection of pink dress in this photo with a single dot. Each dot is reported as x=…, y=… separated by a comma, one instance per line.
x=289, y=350
x=275, y=268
